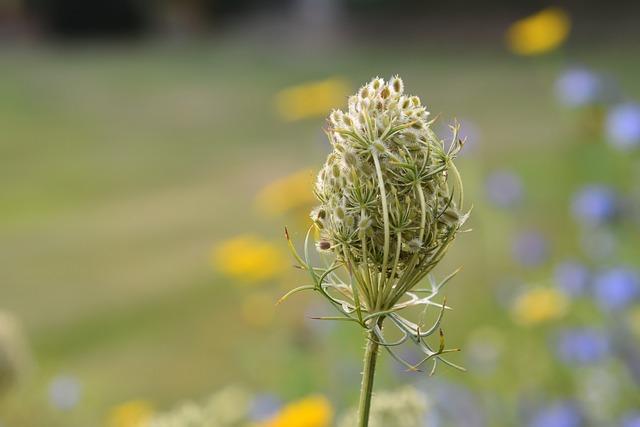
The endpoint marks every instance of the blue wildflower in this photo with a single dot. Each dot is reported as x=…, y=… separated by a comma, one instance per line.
x=582, y=345
x=579, y=87
x=572, y=278
x=454, y=404
x=263, y=407
x=595, y=205
x=616, y=288
x=559, y=414
x=504, y=188
x=483, y=350
x=530, y=248
x=64, y=392
x=467, y=132
x=470, y=134
x=623, y=126
x=632, y=419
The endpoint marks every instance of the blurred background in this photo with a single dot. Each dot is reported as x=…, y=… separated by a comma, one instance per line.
x=151, y=153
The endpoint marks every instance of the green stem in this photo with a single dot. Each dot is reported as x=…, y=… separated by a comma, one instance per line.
x=385, y=217
x=366, y=389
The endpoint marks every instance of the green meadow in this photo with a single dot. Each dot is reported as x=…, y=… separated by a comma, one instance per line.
x=123, y=167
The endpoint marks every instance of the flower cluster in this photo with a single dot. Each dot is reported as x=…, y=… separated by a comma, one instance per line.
x=390, y=205
x=237, y=407
x=406, y=407
x=226, y=408
x=386, y=203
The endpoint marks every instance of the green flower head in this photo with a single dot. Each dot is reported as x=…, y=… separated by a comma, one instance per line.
x=386, y=201
x=390, y=205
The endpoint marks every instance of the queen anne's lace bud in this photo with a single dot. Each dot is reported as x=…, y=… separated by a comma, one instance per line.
x=390, y=204
x=389, y=173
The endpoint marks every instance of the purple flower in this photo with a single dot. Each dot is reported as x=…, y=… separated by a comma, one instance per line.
x=468, y=132
x=64, y=392
x=454, y=404
x=572, y=278
x=530, y=248
x=582, y=346
x=483, y=351
x=504, y=189
x=594, y=205
x=631, y=419
x=559, y=414
x=578, y=87
x=264, y=406
x=616, y=288
x=623, y=126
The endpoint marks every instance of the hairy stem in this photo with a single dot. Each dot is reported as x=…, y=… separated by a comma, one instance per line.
x=368, y=372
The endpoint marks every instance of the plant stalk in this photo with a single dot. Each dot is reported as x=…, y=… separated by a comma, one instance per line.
x=368, y=372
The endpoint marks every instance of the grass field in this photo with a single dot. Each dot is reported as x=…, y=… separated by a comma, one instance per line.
x=122, y=167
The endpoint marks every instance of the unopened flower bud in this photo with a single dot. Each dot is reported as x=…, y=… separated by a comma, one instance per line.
x=323, y=245
x=377, y=83
x=451, y=216
x=350, y=158
x=365, y=223
x=378, y=147
x=335, y=171
x=396, y=85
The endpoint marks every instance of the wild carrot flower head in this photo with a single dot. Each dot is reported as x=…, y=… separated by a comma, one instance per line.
x=384, y=192
x=390, y=205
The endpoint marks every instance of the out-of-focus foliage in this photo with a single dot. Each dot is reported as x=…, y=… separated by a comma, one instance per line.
x=405, y=407
x=311, y=99
x=227, y=408
x=15, y=357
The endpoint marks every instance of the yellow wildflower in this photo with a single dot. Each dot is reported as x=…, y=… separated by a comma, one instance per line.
x=539, y=33
x=312, y=411
x=311, y=99
x=539, y=305
x=288, y=194
x=136, y=413
x=248, y=258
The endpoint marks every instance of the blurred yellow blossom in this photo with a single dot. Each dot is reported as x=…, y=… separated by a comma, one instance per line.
x=312, y=411
x=258, y=309
x=249, y=258
x=292, y=193
x=135, y=413
x=539, y=33
x=312, y=99
x=539, y=305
